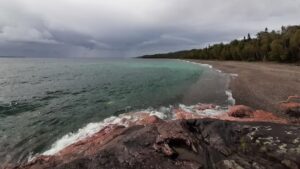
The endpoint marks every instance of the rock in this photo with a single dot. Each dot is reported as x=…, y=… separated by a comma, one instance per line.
x=184, y=115
x=240, y=111
x=290, y=108
x=182, y=144
x=293, y=99
x=290, y=164
x=228, y=164
x=205, y=106
x=263, y=116
x=150, y=120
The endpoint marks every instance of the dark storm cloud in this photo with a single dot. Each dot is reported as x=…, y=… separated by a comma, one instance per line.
x=123, y=28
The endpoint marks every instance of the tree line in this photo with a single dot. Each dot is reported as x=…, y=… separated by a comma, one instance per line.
x=279, y=46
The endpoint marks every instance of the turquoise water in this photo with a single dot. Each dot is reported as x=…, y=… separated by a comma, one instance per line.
x=41, y=100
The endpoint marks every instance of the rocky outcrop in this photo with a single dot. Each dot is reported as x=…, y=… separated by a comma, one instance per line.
x=291, y=106
x=183, y=144
x=203, y=136
x=240, y=111
x=257, y=116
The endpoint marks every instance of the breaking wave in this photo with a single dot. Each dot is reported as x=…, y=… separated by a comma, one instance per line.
x=165, y=113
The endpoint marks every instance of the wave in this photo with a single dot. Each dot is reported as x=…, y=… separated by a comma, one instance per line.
x=230, y=99
x=164, y=113
x=92, y=128
x=228, y=93
x=211, y=67
x=196, y=63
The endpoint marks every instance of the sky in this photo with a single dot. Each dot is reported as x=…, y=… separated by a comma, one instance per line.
x=129, y=28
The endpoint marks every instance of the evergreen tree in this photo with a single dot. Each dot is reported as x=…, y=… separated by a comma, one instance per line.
x=277, y=50
x=280, y=46
x=249, y=37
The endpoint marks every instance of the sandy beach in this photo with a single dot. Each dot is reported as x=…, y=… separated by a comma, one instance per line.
x=260, y=85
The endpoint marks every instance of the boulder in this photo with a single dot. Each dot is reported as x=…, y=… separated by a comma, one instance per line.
x=295, y=99
x=291, y=107
x=240, y=111
x=150, y=120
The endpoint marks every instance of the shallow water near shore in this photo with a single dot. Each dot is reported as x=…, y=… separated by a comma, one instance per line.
x=42, y=100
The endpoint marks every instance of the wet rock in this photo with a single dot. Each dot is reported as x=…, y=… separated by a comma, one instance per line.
x=182, y=144
x=291, y=108
x=293, y=99
x=240, y=111
x=205, y=106
x=184, y=115
x=150, y=120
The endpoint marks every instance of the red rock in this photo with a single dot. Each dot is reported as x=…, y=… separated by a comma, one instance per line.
x=182, y=144
x=150, y=120
x=260, y=115
x=183, y=115
x=240, y=111
x=257, y=116
x=290, y=108
x=91, y=144
x=295, y=99
x=205, y=106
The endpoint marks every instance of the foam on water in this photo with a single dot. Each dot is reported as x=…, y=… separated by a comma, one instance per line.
x=210, y=112
x=165, y=113
x=92, y=128
x=82, y=133
x=81, y=90
x=231, y=100
x=202, y=64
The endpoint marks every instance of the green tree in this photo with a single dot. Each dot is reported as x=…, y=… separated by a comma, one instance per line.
x=277, y=51
x=248, y=52
x=282, y=45
x=295, y=46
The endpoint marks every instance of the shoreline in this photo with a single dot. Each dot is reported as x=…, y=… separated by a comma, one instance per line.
x=159, y=134
x=74, y=137
x=260, y=85
x=155, y=143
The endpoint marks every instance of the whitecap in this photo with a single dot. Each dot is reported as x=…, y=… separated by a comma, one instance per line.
x=82, y=133
x=164, y=113
x=230, y=99
x=234, y=75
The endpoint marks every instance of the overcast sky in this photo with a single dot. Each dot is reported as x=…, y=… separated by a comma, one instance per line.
x=125, y=28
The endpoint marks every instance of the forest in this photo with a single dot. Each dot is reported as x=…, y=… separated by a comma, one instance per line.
x=279, y=46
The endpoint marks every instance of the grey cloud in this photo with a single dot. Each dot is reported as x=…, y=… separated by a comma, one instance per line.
x=119, y=28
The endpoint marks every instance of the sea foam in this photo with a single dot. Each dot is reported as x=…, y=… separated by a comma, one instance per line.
x=230, y=99
x=92, y=128
x=164, y=113
x=82, y=133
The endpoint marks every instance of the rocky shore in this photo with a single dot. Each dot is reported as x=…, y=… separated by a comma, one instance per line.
x=263, y=136
x=239, y=138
